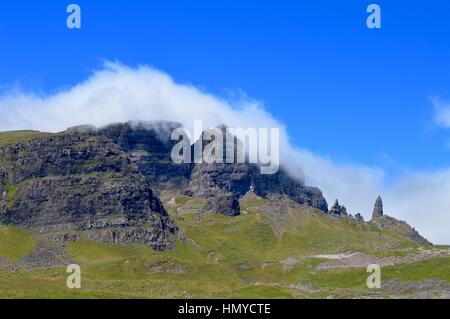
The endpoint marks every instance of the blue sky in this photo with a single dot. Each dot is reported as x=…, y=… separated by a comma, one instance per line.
x=345, y=92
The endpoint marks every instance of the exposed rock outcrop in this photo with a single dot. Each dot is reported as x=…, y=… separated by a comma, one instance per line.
x=220, y=180
x=149, y=145
x=378, y=208
x=338, y=210
x=72, y=182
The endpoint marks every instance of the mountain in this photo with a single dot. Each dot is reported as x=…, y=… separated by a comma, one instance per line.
x=100, y=182
x=113, y=201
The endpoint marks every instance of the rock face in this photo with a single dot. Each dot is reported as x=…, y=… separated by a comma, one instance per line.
x=378, y=209
x=72, y=183
x=149, y=145
x=224, y=184
x=100, y=182
x=338, y=210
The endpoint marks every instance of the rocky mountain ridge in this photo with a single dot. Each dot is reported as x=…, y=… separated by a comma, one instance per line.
x=104, y=183
x=149, y=145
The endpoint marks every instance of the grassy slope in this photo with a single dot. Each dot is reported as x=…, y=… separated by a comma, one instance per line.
x=225, y=257
x=15, y=243
x=14, y=137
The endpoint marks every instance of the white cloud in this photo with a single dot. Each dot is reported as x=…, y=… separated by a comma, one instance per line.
x=422, y=199
x=442, y=113
x=118, y=93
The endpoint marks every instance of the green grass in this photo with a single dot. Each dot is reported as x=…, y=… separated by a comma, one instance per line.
x=436, y=268
x=12, y=193
x=241, y=256
x=14, y=137
x=93, y=252
x=15, y=243
x=269, y=292
x=222, y=257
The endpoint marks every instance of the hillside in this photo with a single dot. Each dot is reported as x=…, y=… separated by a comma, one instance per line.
x=255, y=255
x=14, y=137
x=140, y=226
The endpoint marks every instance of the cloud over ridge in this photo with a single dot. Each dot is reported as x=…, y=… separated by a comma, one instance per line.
x=117, y=93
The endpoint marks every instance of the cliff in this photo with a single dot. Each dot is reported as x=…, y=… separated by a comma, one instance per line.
x=70, y=185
